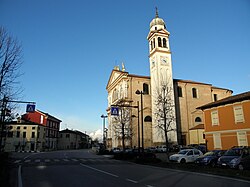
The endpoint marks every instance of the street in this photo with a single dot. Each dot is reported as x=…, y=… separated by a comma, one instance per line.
x=84, y=168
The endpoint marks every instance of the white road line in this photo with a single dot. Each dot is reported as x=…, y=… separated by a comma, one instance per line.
x=66, y=160
x=20, y=182
x=133, y=181
x=17, y=161
x=27, y=161
x=37, y=160
x=56, y=160
x=149, y=186
x=99, y=170
x=47, y=160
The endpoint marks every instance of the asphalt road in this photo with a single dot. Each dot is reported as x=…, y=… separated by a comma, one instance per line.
x=83, y=168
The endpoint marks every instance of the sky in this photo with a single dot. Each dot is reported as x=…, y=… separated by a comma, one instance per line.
x=71, y=46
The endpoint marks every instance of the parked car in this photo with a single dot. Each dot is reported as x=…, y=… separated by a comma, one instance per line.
x=116, y=150
x=161, y=149
x=186, y=155
x=233, y=156
x=151, y=150
x=210, y=158
x=243, y=161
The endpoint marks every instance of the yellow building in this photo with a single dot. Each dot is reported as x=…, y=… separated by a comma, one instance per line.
x=184, y=97
x=24, y=136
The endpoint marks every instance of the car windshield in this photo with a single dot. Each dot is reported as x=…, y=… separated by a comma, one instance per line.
x=233, y=152
x=183, y=152
x=209, y=153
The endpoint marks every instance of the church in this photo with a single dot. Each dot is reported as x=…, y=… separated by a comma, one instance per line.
x=143, y=100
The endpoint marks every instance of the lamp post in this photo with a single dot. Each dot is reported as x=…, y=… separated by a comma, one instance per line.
x=104, y=140
x=142, y=143
x=138, y=128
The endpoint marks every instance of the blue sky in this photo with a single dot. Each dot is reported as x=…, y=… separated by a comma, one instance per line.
x=71, y=46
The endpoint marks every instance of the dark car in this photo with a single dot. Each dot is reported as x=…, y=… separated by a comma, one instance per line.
x=232, y=156
x=242, y=162
x=210, y=158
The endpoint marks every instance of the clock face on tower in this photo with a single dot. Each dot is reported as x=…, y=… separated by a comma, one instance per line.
x=164, y=60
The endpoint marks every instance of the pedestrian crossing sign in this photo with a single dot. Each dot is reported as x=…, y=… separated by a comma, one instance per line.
x=30, y=108
x=114, y=111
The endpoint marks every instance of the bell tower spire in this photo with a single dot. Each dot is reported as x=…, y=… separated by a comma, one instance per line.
x=160, y=73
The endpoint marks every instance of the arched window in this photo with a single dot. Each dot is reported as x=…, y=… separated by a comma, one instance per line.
x=194, y=92
x=153, y=43
x=148, y=119
x=145, y=89
x=198, y=119
x=164, y=42
x=159, y=42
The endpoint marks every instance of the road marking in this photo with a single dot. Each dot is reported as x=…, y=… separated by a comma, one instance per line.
x=75, y=160
x=149, y=186
x=47, y=160
x=37, y=160
x=20, y=183
x=56, y=160
x=66, y=160
x=27, y=161
x=99, y=170
x=133, y=181
x=17, y=161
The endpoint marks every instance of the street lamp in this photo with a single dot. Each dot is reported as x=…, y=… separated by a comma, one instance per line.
x=138, y=126
x=104, y=141
x=142, y=143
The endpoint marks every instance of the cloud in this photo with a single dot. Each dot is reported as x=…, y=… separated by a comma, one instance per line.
x=96, y=135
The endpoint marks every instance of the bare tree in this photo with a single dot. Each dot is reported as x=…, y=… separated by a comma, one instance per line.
x=10, y=63
x=165, y=110
x=122, y=124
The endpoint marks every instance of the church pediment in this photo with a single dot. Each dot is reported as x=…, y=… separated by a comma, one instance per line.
x=114, y=76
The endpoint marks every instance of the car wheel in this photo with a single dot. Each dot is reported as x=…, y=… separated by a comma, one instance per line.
x=241, y=167
x=183, y=161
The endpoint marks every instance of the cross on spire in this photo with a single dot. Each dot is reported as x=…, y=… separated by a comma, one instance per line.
x=156, y=12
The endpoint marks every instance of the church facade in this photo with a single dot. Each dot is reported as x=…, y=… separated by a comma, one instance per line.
x=142, y=99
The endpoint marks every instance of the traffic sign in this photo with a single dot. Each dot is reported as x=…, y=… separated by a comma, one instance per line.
x=30, y=108
x=114, y=111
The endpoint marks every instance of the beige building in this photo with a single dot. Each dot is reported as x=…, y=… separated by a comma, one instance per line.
x=69, y=139
x=186, y=96
x=24, y=135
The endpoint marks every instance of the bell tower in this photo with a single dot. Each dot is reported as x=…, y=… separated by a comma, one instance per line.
x=161, y=74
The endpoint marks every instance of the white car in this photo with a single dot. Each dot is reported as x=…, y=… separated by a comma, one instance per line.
x=186, y=155
x=161, y=148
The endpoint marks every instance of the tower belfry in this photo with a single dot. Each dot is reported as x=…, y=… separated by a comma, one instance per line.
x=160, y=72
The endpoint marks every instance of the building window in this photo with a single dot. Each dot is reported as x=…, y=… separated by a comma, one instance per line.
x=18, y=127
x=159, y=42
x=67, y=135
x=198, y=119
x=164, y=42
x=238, y=114
x=194, y=92
x=33, y=135
x=242, y=138
x=38, y=134
x=155, y=28
x=33, y=128
x=179, y=91
x=148, y=119
x=24, y=127
x=215, y=97
x=215, y=117
x=153, y=43
x=41, y=120
x=217, y=141
x=24, y=134
x=145, y=89
x=18, y=134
